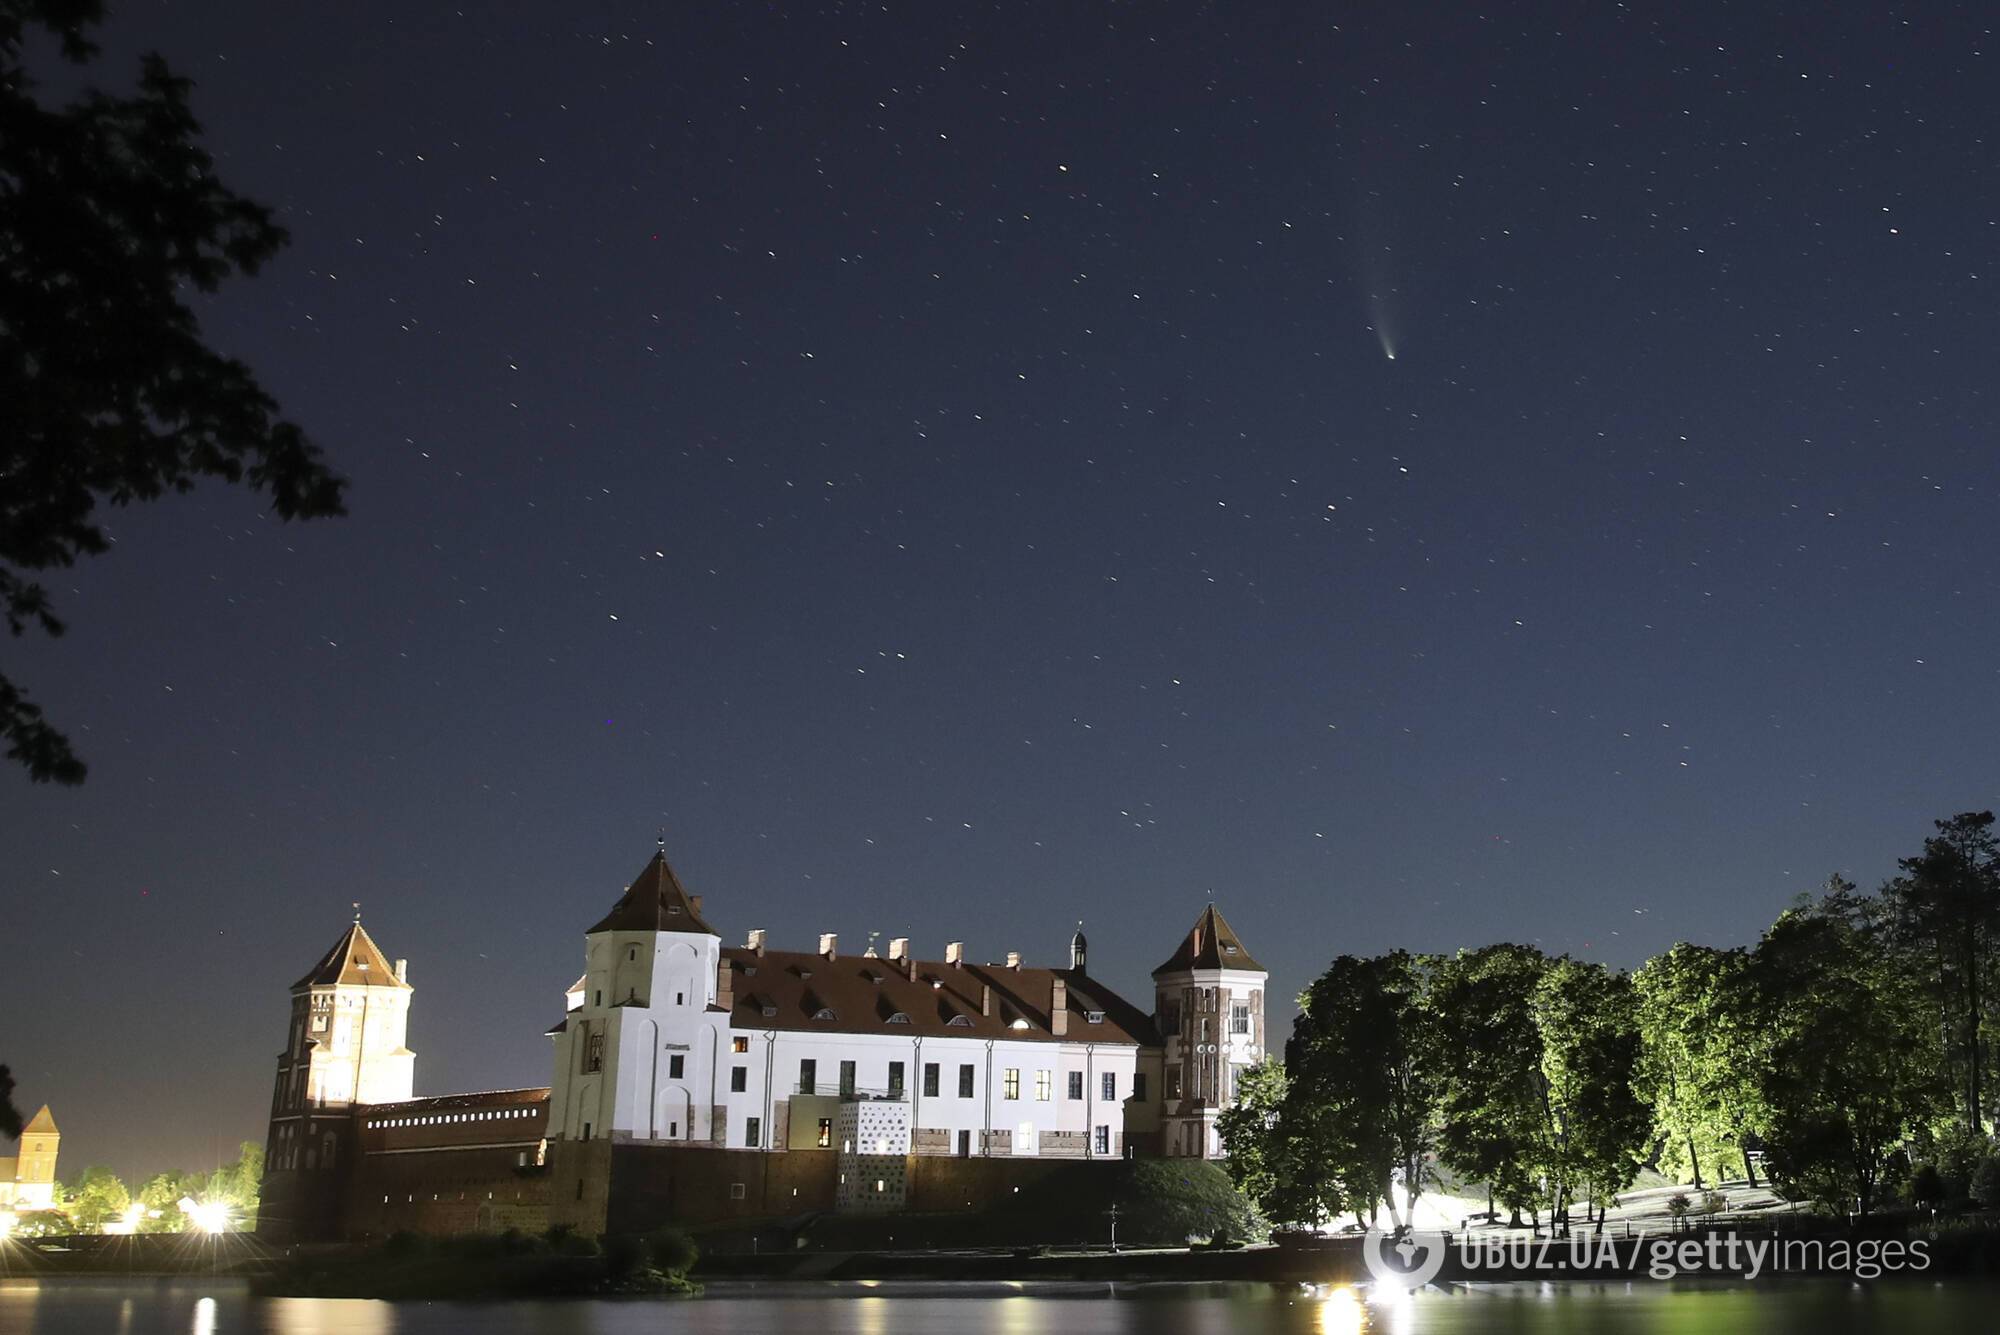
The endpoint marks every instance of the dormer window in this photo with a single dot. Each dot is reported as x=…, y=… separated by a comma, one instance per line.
x=899, y=1018
x=1018, y=1024
x=1229, y=947
x=961, y=1021
x=1094, y=1017
x=770, y=1011
x=673, y=908
x=823, y=1013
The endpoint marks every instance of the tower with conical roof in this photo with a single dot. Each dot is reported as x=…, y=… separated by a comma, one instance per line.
x=1209, y=1008
x=627, y=1065
x=346, y=1045
x=28, y=1181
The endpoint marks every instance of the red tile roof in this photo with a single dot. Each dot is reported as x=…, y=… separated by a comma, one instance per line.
x=790, y=989
x=1213, y=944
x=656, y=902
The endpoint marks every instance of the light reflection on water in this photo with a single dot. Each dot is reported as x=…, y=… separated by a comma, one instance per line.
x=179, y=1307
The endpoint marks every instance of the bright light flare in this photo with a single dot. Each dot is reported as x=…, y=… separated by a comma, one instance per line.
x=208, y=1216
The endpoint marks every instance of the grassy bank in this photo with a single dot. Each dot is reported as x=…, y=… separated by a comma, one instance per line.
x=509, y=1265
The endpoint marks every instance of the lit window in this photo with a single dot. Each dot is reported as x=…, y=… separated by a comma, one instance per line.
x=825, y=1133
x=1103, y=1145
x=739, y=1044
x=1044, y=1085
x=1010, y=1083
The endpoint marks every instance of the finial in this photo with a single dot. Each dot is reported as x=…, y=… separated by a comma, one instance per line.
x=357, y=911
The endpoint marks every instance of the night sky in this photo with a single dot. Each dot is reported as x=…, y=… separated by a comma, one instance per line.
x=1420, y=477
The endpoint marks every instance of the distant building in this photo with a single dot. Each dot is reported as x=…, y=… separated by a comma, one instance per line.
x=698, y=1081
x=28, y=1180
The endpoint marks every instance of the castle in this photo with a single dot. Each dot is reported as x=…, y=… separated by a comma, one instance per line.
x=697, y=1081
x=28, y=1180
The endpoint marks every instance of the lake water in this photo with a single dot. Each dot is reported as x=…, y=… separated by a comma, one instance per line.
x=182, y=1307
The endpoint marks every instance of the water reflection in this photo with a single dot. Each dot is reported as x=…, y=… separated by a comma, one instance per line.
x=92, y=1307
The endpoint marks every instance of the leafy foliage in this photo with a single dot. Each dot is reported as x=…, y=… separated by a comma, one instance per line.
x=1849, y=1070
x=1594, y=1124
x=1368, y=1058
x=1490, y=1115
x=110, y=215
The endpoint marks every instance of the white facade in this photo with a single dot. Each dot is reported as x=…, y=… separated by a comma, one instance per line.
x=670, y=1037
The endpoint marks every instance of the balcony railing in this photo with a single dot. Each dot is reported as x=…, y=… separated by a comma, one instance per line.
x=836, y=1089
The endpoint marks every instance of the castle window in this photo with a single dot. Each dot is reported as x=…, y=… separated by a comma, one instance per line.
x=825, y=1132
x=739, y=1044
x=965, y=1078
x=1239, y=1018
x=930, y=1080
x=593, y=1051
x=1010, y=1083
x=752, y=1131
x=808, y=1076
x=676, y=1066
x=847, y=1077
x=1110, y=1087
x=895, y=1077
x=1076, y=1084
x=631, y=953
x=1044, y=1085
x=739, y=1079
x=1103, y=1143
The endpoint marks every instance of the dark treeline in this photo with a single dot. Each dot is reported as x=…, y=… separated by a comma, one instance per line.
x=1846, y=1051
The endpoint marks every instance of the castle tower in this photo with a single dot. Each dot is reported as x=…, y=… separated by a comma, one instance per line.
x=27, y=1182
x=630, y=1061
x=346, y=1046
x=1210, y=1012
x=651, y=965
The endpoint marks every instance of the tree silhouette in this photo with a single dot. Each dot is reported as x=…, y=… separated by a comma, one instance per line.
x=110, y=211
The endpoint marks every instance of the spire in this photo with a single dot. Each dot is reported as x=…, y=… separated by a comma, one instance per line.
x=354, y=960
x=1212, y=944
x=42, y=1123
x=656, y=902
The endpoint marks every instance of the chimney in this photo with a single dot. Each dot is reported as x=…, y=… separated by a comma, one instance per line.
x=899, y=947
x=402, y=971
x=828, y=941
x=954, y=953
x=756, y=941
x=1013, y=959
x=725, y=985
x=986, y=998
x=1058, y=1008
